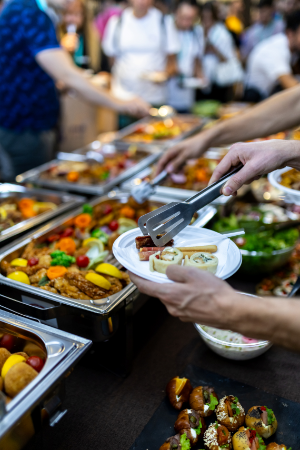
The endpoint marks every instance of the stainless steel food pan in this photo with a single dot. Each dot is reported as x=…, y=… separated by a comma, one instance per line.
x=63, y=351
x=34, y=175
x=63, y=201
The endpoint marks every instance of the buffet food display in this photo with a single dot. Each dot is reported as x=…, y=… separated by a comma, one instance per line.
x=160, y=131
x=233, y=426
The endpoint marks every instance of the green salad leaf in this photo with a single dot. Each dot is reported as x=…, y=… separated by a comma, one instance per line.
x=43, y=281
x=198, y=429
x=271, y=416
x=99, y=234
x=235, y=407
x=60, y=258
x=185, y=442
x=213, y=402
x=262, y=445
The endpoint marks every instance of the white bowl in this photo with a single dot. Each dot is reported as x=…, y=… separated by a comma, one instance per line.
x=290, y=195
x=232, y=350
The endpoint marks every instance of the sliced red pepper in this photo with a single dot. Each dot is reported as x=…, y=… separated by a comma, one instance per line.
x=67, y=232
x=263, y=408
x=54, y=237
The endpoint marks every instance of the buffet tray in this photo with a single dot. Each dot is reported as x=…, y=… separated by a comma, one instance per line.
x=161, y=424
x=64, y=201
x=177, y=193
x=60, y=308
x=34, y=176
x=122, y=134
x=63, y=352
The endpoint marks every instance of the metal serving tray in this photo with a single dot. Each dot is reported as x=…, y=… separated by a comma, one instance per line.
x=152, y=153
x=177, y=193
x=121, y=135
x=63, y=352
x=63, y=310
x=63, y=200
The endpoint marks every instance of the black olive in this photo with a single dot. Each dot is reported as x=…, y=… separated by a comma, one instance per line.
x=193, y=419
x=206, y=395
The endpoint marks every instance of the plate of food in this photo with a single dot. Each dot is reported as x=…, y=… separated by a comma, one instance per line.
x=192, y=247
x=288, y=181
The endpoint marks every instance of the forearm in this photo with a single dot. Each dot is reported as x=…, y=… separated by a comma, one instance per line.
x=261, y=120
x=171, y=66
x=288, y=81
x=273, y=319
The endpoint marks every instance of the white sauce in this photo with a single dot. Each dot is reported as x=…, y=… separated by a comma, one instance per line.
x=206, y=408
x=189, y=411
x=193, y=433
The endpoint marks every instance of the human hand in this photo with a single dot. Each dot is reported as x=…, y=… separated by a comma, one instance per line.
x=70, y=42
x=177, y=155
x=136, y=107
x=258, y=158
x=196, y=296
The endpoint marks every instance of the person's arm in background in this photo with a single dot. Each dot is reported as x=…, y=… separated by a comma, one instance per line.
x=198, y=71
x=200, y=297
x=261, y=120
x=59, y=65
x=287, y=81
x=172, y=46
x=171, y=66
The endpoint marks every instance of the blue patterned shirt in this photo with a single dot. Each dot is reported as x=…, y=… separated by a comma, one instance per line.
x=28, y=96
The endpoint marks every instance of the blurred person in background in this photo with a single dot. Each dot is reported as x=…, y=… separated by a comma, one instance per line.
x=269, y=63
x=220, y=62
x=266, y=26
x=31, y=62
x=189, y=58
x=142, y=44
x=234, y=20
x=79, y=36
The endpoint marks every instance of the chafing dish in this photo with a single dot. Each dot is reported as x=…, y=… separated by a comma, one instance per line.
x=86, y=318
x=94, y=151
x=22, y=417
x=179, y=194
x=63, y=201
x=195, y=122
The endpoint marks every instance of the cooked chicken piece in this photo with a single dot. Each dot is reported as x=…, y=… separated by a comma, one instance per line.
x=90, y=289
x=37, y=276
x=45, y=260
x=32, y=251
x=28, y=270
x=5, y=266
x=49, y=288
x=81, y=251
x=73, y=268
x=126, y=279
x=67, y=289
x=116, y=285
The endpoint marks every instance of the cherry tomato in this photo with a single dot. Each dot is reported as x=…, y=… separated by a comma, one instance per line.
x=121, y=165
x=7, y=341
x=113, y=226
x=107, y=209
x=36, y=363
x=33, y=261
x=82, y=261
x=67, y=233
x=240, y=242
x=54, y=237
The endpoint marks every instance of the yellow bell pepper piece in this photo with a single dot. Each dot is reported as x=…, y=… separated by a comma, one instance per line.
x=19, y=276
x=3, y=213
x=20, y=262
x=109, y=269
x=11, y=361
x=98, y=280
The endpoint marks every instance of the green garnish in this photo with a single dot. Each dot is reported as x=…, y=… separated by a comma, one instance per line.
x=225, y=446
x=198, y=429
x=262, y=445
x=184, y=442
x=271, y=416
x=87, y=209
x=99, y=234
x=235, y=407
x=104, y=176
x=290, y=448
x=43, y=281
x=60, y=258
x=216, y=426
x=224, y=432
x=213, y=403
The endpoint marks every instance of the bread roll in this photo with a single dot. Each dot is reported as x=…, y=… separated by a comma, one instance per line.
x=244, y=439
x=18, y=377
x=274, y=446
x=178, y=399
x=188, y=422
x=257, y=418
x=4, y=355
x=215, y=436
x=227, y=414
x=171, y=443
x=200, y=399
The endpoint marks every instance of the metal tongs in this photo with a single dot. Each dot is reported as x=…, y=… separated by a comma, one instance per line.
x=143, y=191
x=170, y=219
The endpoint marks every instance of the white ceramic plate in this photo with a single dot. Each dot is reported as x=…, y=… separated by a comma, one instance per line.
x=289, y=195
x=228, y=254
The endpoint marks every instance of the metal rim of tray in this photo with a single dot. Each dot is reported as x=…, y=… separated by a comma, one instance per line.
x=109, y=303
x=34, y=175
x=68, y=201
x=63, y=349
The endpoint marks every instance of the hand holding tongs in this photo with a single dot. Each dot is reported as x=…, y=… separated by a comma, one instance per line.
x=143, y=191
x=174, y=217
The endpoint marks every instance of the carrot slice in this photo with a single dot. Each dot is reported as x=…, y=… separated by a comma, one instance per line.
x=67, y=245
x=25, y=203
x=83, y=220
x=56, y=272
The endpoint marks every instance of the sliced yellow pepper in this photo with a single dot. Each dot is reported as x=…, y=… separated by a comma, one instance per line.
x=20, y=262
x=3, y=213
x=109, y=269
x=98, y=280
x=19, y=276
x=11, y=361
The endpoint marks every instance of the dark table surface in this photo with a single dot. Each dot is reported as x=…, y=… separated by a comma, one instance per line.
x=106, y=412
